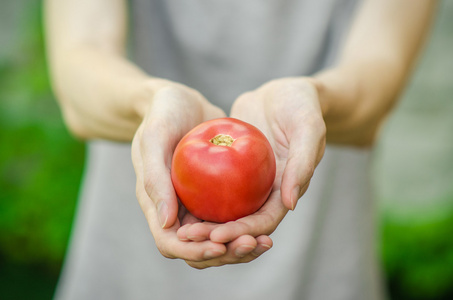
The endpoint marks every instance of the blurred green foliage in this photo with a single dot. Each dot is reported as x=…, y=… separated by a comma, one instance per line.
x=418, y=257
x=40, y=170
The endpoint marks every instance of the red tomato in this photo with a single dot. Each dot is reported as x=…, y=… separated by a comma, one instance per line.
x=223, y=170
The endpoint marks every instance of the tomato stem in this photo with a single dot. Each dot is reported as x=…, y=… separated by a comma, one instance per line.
x=222, y=140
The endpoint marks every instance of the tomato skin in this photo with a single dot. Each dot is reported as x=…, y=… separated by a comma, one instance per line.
x=223, y=183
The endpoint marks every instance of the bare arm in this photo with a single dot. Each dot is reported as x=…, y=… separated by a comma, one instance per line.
x=375, y=64
x=98, y=89
x=343, y=105
x=103, y=95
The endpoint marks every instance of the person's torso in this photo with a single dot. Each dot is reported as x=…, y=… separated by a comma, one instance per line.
x=224, y=48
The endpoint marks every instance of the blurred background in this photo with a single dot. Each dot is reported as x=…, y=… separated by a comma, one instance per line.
x=41, y=166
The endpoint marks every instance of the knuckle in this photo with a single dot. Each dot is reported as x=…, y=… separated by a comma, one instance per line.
x=149, y=186
x=163, y=251
x=244, y=227
x=308, y=171
x=171, y=90
x=321, y=126
x=316, y=124
x=138, y=193
x=180, y=91
x=243, y=101
x=197, y=265
x=154, y=126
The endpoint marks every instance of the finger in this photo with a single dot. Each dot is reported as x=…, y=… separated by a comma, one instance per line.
x=264, y=221
x=163, y=126
x=196, y=231
x=175, y=110
x=240, y=247
x=153, y=174
x=264, y=243
x=306, y=149
x=238, y=252
x=242, y=250
x=169, y=244
x=157, y=179
x=172, y=247
x=188, y=218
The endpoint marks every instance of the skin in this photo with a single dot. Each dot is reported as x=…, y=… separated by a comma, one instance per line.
x=103, y=95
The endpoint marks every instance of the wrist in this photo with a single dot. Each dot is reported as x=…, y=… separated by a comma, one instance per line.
x=338, y=92
x=321, y=89
x=349, y=110
x=144, y=92
x=141, y=98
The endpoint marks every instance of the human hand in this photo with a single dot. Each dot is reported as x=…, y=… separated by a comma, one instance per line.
x=174, y=110
x=288, y=112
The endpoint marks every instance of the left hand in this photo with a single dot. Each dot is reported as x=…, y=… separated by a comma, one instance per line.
x=288, y=112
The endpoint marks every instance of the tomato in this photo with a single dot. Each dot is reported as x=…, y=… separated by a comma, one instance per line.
x=223, y=170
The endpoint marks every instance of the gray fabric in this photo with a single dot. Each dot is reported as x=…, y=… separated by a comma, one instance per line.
x=224, y=48
x=323, y=250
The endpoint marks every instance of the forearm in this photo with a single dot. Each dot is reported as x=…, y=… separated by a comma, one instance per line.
x=377, y=60
x=356, y=101
x=99, y=93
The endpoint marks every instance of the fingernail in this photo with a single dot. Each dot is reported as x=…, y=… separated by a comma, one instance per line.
x=294, y=197
x=243, y=250
x=260, y=249
x=213, y=253
x=195, y=238
x=162, y=211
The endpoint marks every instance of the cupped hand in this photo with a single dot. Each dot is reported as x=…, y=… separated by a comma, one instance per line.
x=288, y=112
x=174, y=110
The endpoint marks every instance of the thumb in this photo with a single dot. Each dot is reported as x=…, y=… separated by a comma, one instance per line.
x=152, y=167
x=305, y=153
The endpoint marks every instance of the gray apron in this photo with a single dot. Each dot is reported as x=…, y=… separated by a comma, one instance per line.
x=325, y=249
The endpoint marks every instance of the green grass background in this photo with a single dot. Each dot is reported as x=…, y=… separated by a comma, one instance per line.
x=41, y=166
